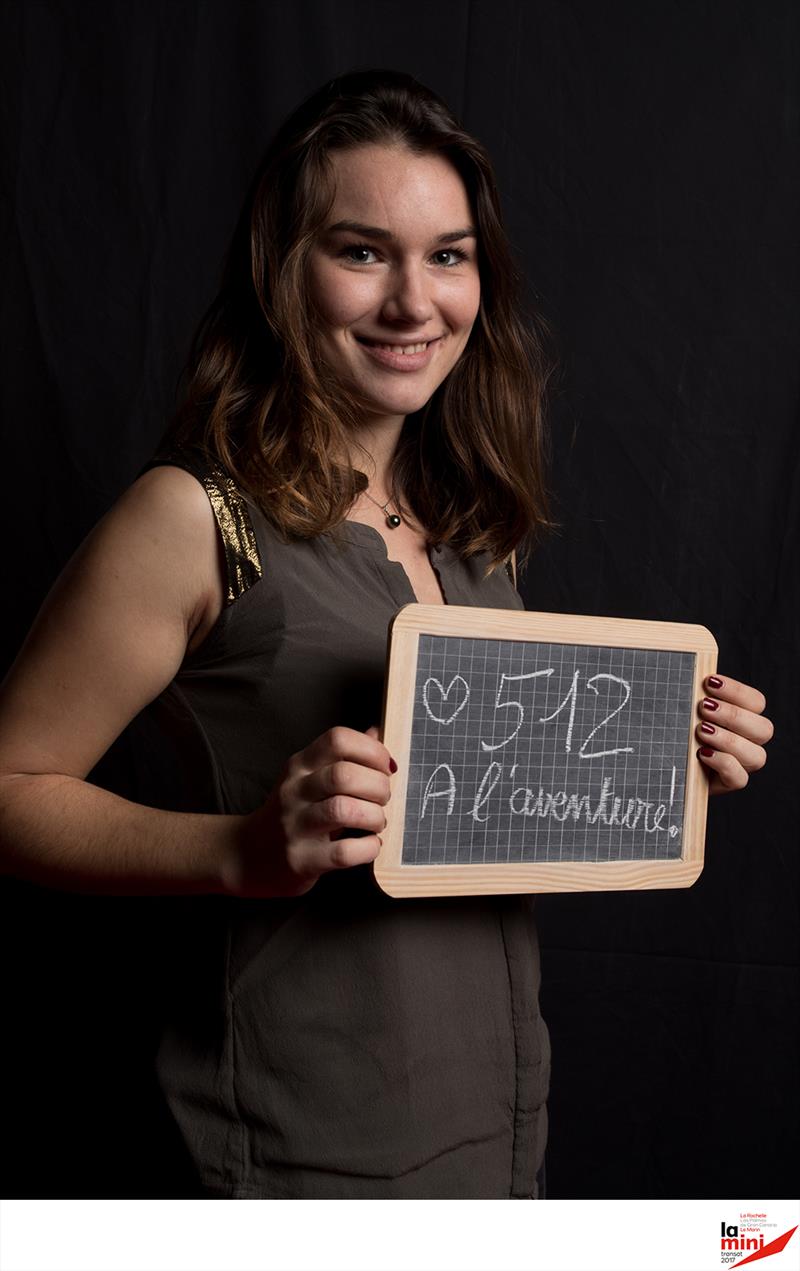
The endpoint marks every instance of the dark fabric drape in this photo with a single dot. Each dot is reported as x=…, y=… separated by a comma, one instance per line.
x=648, y=157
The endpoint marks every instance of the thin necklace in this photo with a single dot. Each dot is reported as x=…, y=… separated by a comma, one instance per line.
x=392, y=519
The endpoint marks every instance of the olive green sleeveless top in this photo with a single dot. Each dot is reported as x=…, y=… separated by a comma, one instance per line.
x=343, y=1043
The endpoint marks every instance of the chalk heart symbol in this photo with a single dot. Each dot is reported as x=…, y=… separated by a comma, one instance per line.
x=455, y=707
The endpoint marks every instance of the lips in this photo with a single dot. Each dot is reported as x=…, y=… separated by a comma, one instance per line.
x=400, y=357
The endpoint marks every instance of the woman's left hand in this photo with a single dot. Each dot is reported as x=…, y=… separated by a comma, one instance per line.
x=732, y=734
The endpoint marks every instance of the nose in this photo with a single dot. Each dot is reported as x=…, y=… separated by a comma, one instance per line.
x=408, y=296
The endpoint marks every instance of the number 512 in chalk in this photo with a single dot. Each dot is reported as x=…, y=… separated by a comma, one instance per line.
x=542, y=752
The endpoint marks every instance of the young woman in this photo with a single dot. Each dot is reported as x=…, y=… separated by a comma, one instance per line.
x=362, y=428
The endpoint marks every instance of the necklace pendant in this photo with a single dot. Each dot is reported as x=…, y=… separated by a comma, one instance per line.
x=393, y=520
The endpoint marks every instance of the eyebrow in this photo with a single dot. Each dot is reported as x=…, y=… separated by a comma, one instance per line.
x=385, y=235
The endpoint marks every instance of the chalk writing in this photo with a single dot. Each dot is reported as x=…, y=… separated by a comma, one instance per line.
x=490, y=779
x=571, y=697
x=448, y=790
x=607, y=807
x=500, y=706
x=615, y=750
x=444, y=693
x=526, y=751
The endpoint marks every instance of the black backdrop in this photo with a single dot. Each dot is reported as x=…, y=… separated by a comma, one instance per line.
x=648, y=156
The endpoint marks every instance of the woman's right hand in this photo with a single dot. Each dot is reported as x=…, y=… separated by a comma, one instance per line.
x=339, y=782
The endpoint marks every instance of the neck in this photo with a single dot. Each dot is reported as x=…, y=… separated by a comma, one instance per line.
x=374, y=454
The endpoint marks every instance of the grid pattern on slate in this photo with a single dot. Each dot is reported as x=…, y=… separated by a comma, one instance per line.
x=546, y=752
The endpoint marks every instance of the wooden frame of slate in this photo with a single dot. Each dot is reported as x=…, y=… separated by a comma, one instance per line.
x=542, y=752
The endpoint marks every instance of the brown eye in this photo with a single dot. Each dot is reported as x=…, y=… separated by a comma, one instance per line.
x=456, y=257
x=355, y=253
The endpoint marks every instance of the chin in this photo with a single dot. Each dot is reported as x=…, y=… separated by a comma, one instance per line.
x=386, y=410
x=404, y=403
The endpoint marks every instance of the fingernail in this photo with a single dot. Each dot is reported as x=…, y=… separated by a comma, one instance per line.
x=392, y=765
x=706, y=752
x=707, y=728
x=714, y=681
x=710, y=705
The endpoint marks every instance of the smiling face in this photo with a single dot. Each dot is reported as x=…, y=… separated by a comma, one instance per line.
x=394, y=276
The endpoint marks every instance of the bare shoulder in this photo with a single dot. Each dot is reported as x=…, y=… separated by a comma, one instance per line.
x=168, y=499
x=115, y=628
x=165, y=523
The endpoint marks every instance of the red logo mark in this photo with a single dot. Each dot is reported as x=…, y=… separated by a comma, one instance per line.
x=774, y=1246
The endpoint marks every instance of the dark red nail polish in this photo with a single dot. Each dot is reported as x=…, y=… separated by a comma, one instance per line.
x=706, y=752
x=707, y=728
x=710, y=705
x=714, y=681
x=392, y=765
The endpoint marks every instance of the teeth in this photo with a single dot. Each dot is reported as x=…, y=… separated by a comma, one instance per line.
x=403, y=348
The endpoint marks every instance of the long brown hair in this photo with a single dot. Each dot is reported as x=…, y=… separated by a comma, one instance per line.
x=262, y=402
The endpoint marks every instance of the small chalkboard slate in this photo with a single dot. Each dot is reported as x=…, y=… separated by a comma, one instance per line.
x=542, y=752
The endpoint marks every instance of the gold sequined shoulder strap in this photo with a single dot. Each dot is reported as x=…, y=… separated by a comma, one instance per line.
x=232, y=514
x=238, y=537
